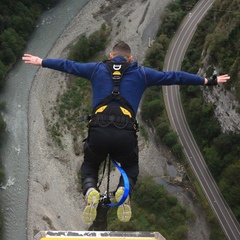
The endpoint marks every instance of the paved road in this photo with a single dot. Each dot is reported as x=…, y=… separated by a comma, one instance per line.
x=173, y=61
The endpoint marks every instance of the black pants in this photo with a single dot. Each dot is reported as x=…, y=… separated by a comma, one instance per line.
x=120, y=144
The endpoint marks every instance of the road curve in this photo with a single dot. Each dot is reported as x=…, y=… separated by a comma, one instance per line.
x=173, y=60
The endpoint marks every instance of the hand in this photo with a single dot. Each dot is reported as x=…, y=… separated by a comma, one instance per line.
x=223, y=78
x=30, y=59
x=214, y=80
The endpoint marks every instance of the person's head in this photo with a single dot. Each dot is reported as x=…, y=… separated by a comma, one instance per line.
x=121, y=49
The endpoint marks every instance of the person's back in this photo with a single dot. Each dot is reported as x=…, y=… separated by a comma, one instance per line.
x=132, y=85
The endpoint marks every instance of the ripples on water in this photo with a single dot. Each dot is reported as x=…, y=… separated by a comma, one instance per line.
x=9, y=183
x=14, y=152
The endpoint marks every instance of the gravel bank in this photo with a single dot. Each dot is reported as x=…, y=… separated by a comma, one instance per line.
x=54, y=201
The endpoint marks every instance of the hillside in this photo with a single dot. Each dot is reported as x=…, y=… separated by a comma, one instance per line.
x=217, y=131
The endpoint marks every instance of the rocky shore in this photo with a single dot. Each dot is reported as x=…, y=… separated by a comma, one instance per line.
x=54, y=200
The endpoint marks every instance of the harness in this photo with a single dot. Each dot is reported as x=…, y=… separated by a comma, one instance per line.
x=114, y=110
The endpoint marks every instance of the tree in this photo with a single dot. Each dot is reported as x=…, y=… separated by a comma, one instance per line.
x=3, y=71
x=152, y=109
x=1, y=174
x=177, y=150
x=8, y=56
x=11, y=40
x=95, y=44
x=213, y=161
x=171, y=139
x=47, y=3
x=230, y=187
x=208, y=130
x=195, y=107
x=223, y=143
x=80, y=51
x=162, y=129
x=2, y=124
x=181, y=232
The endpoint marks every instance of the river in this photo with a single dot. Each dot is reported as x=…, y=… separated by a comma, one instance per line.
x=14, y=150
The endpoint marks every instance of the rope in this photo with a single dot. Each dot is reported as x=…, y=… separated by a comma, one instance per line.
x=104, y=167
x=108, y=178
x=126, y=184
x=125, y=180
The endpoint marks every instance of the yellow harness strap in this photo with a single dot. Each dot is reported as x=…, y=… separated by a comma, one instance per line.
x=101, y=109
x=126, y=112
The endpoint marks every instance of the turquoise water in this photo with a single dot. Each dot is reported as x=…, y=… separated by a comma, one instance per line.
x=14, y=152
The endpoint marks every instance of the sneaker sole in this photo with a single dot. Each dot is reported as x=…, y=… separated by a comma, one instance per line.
x=90, y=211
x=124, y=211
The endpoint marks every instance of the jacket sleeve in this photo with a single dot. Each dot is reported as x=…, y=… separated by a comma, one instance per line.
x=84, y=70
x=155, y=77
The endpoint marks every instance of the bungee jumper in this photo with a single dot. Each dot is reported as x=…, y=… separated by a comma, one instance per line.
x=117, y=86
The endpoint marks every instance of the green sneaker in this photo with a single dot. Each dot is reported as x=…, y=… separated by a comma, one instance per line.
x=90, y=211
x=124, y=212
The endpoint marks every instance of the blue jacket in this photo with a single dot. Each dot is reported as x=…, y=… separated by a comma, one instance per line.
x=133, y=83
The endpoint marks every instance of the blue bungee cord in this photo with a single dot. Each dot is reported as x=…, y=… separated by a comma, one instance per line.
x=126, y=186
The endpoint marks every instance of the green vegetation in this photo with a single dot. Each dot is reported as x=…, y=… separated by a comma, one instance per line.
x=2, y=123
x=17, y=21
x=219, y=34
x=154, y=210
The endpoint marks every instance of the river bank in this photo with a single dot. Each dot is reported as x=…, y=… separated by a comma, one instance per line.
x=15, y=147
x=54, y=201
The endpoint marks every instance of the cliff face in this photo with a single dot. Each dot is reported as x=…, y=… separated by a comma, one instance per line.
x=221, y=49
x=226, y=106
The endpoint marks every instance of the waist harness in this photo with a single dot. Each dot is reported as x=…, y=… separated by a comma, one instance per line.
x=114, y=110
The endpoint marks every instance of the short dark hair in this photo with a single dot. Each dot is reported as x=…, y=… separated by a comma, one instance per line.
x=121, y=49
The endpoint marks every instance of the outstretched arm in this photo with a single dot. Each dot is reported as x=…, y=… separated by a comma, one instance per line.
x=30, y=59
